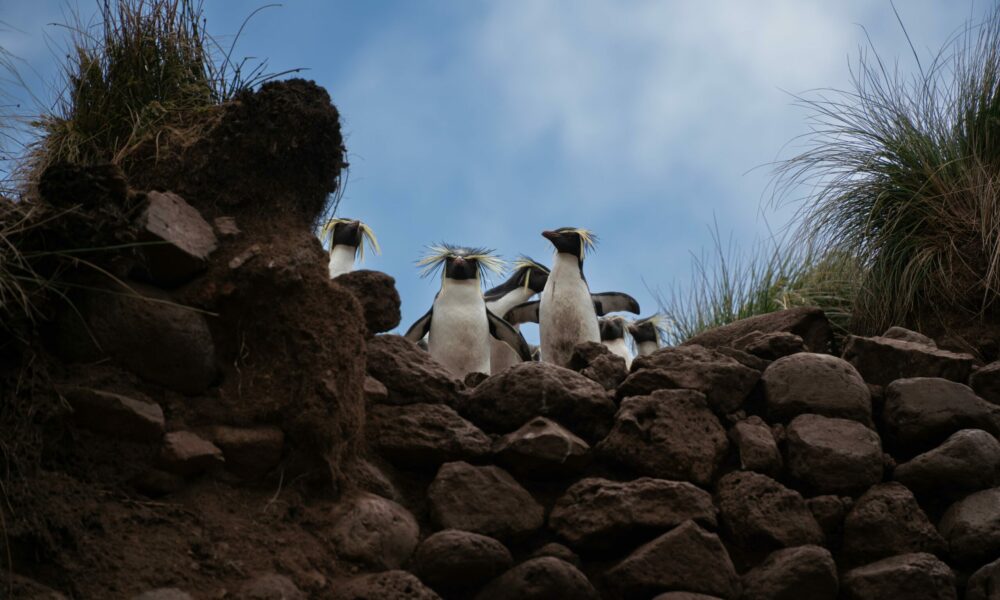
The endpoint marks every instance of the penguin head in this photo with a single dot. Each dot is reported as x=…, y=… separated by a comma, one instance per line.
x=349, y=232
x=571, y=240
x=460, y=263
x=612, y=328
x=649, y=329
x=528, y=274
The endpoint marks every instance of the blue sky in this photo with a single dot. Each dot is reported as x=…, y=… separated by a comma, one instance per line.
x=483, y=123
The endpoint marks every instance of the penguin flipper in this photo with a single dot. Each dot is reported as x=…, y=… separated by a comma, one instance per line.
x=419, y=329
x=607, y=302
x=505, y=332
x=525, y=312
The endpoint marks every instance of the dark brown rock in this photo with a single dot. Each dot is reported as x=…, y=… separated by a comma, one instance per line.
x=966, y=462
x=527, y=390
x=377, y=294
x=882, y=360
x=793, y=574
x=157, y=594
x=829, y=512
x=670, y=434
x=921, y=412
x=270, y=586
x=686, y=558
x=595, y=361
x=684, y=596
x=770, y=345
x=453, y=561
x=542, y=448
x=815, y=383
x=971, y=527
x=409, y=373
x=483, y=500
x=984, y=583
x=756, y=446
x=375, y=392
x=186, y=453
x=540, y=579
x=559, y=551
x=807, y=322
x=986, y=382
x=598, y=513
x=178, y=239
x=887, y=521
x=249, y=451
x=388, y=585
x=370, y=478
x=760, y=513
x=833, y=455
x=918, y=576
x=424, y=435
x=744, y=358
x=136, y=418
x=908, y=335
x=373, y=531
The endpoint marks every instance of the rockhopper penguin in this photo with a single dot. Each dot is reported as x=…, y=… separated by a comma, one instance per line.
x=458, y=325
x=347, y=238
x=647, y=334
x=528, y=279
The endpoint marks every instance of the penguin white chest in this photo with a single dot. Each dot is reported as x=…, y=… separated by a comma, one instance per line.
x=620, y=348
x=341, y=260
x=459, y=336
x=566, y=314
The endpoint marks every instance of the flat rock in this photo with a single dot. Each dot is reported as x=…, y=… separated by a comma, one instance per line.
x=270, y=586
x=919, y=576
x=424, y=435
x=595, y=361
x=818, y=384
x=761, y=513
x=453, y=561
x=542, y=448
x=183, y=239
x=186, y=453
x=387, y=585
x=409, y=373
x=971, y=527
x=484, y=500
x=833, y=455
x=685, y=558
x=137, y=418
x=908, y=335
x=374, y=531
x=793, y=574
x=887, y=521
x=966, y=462
x=756, y=446
x=807, y=322
x=921, y=412
x=725, y=382
x=540, y=579
x=376, y=292
x=249, y=451
x=527, y=390
x=986, y=382
x=599, y=513
x=770, y=345
x=882, y=360
x=670, y=434
x=984, y=583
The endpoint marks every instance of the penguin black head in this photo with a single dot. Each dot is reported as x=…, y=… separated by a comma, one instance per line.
x=460, y=263
x=527, y=274
x=571, y=240
x=649, y=329
x=612, y=328
x=349, y=232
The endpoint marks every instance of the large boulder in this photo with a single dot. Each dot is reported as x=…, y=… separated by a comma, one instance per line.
x=137, y=418
x=409, y=373
x=424, y=435
x=756, y=446
x=599, y=513
x=725, y=382
x=971, y=527
x=807, y=322
x=793, y=574
x=918, y=576
x=921, y=412
x=540, y=579
x=527, y=390
x=966, y=462
x=453, y=561
x=685, y=558
x=887, y=521
x=483, y=500
x=542, y=448
x=595, y=361
x=833, y=455
x=387, y=585
x=760, y=513
x=984, y=583
x=815, y=383
x=376, y=292
x=882, y=360
x=374, y=531
x=670, y=434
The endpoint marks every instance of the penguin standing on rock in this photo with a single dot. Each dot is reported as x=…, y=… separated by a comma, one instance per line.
x=647, y=334
x=347, y=238
x=528, y=279
x=567, y=312
x=613, y=331
x=459, y=325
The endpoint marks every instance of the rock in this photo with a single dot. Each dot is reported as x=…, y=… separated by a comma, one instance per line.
x=473, y=379
x=424, y=435
x=542, y=448
x=793, y=574
x=409, y=373
x=756, y=446
x=453, y=561
x=374, y=531
x=686, y=558
x=918, y=576
x=984, y=583
x=226, y=227
x=138, y=419
x=388, y=585
x=986, y=382
x=887, y=521
x=527, y=390
x=833, y=455
x=684, y=596
x=829, y=513
x=761, y=513
x=670, y=434
x=156, y=483
x=966, y=462
x=542, y=578
x=186, y=454
x=178, y=240
x=882, y=360
x=249, y=451
x=744, y=358
x=971, y=527
x=483, y=500
x=921, y=412
x=270, y=587
x=375, y=392
x=771, y=345
x=807, y=322
x=907, y=335
x=599, y=513
x=370, y=478
x=377, y=294
x=164, y=594
x=558, y=551
x=725, y=382
x=595, y=361
x=815, y=383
